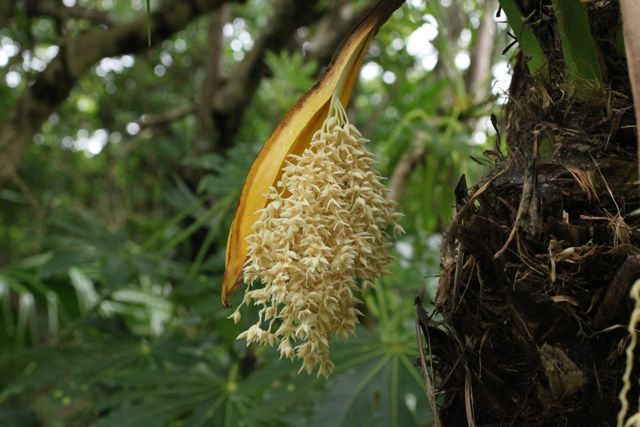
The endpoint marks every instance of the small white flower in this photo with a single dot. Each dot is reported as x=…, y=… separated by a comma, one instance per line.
x=236, y=316
x=325, y=226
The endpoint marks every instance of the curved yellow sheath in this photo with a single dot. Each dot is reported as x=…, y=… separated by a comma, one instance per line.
x=294, y=134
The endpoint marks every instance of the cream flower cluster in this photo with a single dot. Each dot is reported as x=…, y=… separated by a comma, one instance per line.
x=324, y=226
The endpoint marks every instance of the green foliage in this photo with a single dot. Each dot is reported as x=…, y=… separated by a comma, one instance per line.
x=536, y=60
x=377, y=381
x=582, y=61
x=293, y=76
x=113, y=249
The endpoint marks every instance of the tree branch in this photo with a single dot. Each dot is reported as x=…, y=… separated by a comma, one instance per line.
x=333, y=28
x=56, y=10
x=52, y=86
x=402, y=172
x=153, y=120
x=231, y=101
x=480, y=74
x=207, y=132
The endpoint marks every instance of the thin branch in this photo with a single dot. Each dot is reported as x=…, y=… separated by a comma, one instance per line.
x=207, y=132
x=154, y=120
x=60, y=12
x=402, y=172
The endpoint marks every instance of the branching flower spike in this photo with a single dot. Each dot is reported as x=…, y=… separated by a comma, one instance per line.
x=318, y=244
x=294, y=134
x=310, y=225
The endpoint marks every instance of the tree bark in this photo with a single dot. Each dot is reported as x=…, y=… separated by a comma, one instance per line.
x=538, y=262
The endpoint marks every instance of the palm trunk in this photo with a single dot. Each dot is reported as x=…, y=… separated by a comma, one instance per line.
x=538, y=262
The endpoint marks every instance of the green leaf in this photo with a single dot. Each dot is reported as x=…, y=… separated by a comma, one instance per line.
x=583, y=70
x=536, y=60
x=379, y=387
x=18, y=417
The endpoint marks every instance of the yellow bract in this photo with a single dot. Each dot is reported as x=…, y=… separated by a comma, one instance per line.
x=294, y=134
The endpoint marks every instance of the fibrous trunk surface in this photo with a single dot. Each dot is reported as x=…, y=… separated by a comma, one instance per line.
x=533, y=299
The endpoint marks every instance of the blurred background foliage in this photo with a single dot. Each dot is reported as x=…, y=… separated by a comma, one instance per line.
x=113, y=231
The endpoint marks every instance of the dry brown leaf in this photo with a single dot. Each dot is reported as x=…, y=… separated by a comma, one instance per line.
x=572, y=254
x=565, y=298
x=585, y=182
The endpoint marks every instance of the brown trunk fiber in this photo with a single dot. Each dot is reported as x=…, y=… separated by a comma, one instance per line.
x=538, y=262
